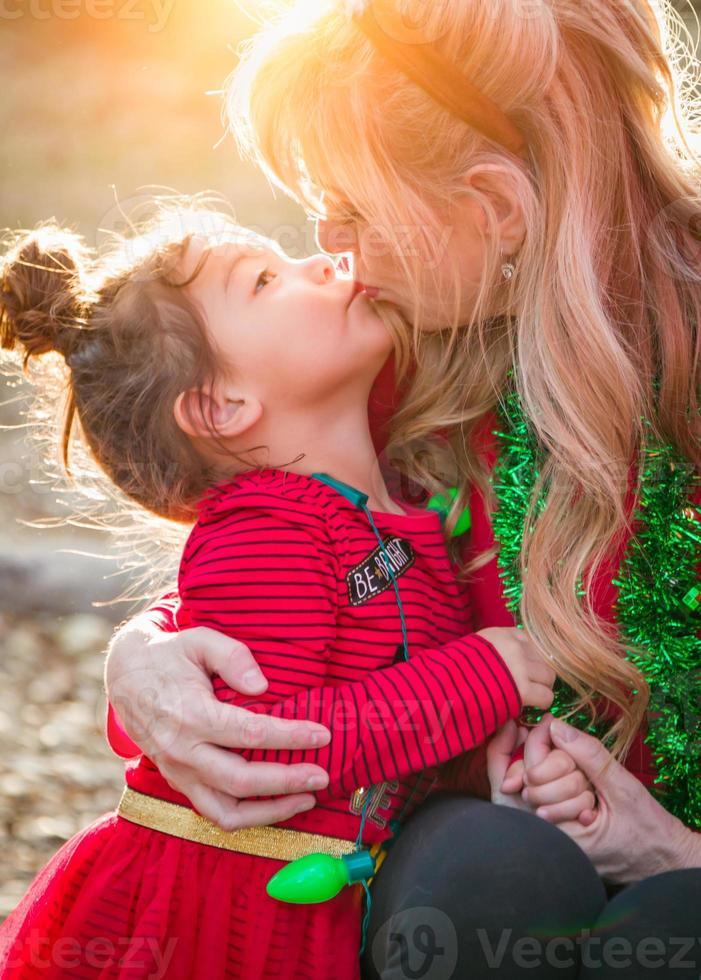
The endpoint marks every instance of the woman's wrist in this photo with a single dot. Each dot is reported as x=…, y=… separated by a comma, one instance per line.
x=677, y=849
x=128, y=642
x=690, y=850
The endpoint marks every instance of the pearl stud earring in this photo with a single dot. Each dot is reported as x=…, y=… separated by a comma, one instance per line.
x=508, y=269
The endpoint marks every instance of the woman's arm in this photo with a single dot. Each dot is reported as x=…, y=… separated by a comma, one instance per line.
x=139, y=642
x=692, y=857
x=146, y=672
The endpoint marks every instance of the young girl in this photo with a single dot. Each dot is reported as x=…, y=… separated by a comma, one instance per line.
x=215, y=380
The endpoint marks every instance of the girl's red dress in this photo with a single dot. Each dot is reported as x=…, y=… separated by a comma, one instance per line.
x=293, y=569
x=155, y=905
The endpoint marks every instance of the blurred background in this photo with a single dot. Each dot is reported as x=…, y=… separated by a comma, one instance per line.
x=95, y=109
x=101, y=99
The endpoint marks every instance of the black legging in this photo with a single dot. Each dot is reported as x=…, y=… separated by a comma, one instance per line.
x=472, y=890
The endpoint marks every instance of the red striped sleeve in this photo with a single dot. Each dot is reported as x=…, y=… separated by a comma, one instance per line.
x=272, y=583
x=404, y=718
x=162, y=613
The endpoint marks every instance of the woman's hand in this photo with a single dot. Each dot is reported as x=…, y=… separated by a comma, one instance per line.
x=159, y=684
x=550, y=781
x=545, y=780
x=631, y=836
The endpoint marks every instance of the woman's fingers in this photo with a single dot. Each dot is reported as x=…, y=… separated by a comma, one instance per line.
x=257, y=813
x=231, y=814
x=238, y=728
x=554, y=766
x=222, y=655
x=538, y=745
x=229, y=773
x=569, y=809
x=229, y=725
x=565, y=788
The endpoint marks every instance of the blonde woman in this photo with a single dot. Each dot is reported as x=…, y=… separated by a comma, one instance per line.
x=516, y=176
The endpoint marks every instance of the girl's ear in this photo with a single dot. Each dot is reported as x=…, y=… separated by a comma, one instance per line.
x=203, y=415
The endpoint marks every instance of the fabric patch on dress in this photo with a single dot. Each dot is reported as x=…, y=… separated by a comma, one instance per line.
x=382, y=800
x=371, y=576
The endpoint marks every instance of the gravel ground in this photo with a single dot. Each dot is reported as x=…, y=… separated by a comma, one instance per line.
x=56, y=771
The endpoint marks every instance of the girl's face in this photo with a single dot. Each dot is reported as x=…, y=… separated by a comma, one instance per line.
x=292, y=332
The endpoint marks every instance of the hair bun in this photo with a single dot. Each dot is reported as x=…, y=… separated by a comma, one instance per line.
x=42, y=304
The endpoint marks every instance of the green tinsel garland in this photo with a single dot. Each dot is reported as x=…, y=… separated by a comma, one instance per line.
x=658, y=604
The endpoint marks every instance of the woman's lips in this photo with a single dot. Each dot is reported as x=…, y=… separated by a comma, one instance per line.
x=370, y=292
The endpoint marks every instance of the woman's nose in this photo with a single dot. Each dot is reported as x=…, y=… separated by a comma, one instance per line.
x=335, y=237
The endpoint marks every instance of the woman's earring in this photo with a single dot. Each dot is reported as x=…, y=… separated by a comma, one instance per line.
x=508, y=270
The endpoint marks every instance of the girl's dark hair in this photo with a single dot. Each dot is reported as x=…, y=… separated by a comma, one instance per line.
x=132, y=341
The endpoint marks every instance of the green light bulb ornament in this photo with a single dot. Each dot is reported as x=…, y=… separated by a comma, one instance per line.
x=443, y=502
x=319, y=877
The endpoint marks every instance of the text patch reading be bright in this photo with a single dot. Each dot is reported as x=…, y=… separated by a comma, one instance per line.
x=371, y=576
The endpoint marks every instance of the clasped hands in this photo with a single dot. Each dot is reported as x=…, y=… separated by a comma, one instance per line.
x=569, y=778
x=546, y=780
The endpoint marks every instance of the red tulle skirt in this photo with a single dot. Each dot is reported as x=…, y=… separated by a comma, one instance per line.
x=120, y=900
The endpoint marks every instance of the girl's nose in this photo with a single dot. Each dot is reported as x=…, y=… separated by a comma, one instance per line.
x=320, y=269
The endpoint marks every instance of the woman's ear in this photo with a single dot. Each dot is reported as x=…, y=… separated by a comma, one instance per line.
x=202, y=414
x=497, y=184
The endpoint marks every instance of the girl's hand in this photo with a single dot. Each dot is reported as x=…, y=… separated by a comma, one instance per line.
x=632, y=836
x=159, y=684
x=500, y=748
x=533, y=677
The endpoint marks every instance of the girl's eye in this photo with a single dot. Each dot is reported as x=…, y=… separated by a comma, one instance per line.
x=263, y=279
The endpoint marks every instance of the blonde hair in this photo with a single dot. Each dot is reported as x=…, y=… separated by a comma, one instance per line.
x=607, y=297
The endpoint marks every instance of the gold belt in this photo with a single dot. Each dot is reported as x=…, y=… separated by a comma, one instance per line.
x=282, y=843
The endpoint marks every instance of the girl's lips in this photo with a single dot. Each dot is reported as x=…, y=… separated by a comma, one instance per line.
x=357, y=289
x=372, y=292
